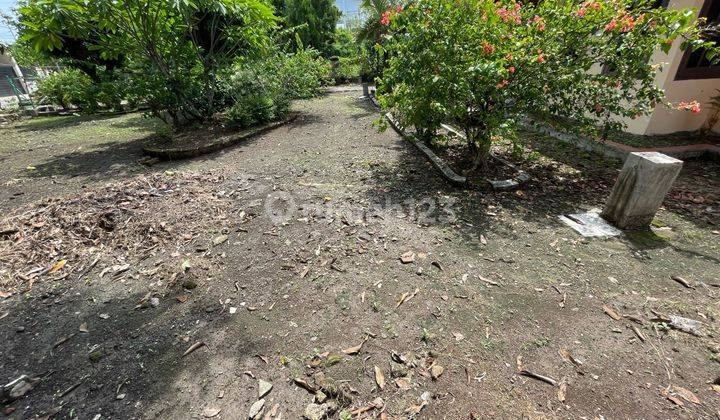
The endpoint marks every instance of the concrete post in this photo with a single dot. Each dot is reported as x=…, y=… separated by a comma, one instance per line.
x=640, y=189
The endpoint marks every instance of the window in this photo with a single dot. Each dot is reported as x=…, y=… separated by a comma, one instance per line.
x=694, y=64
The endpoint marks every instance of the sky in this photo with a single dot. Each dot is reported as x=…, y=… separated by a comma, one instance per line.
x=348, y=7
x=5, y=34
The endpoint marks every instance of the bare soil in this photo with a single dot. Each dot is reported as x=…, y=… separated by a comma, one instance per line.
x=159, y=258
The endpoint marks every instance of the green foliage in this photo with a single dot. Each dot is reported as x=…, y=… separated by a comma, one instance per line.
x=262, y=90
x=259, y=97
x=65, y=31
x=344, y=44
x=302, y=73
x=347, y=69
x=68, y=87
x=484, y=64
x=315, y=22
x=180, y=48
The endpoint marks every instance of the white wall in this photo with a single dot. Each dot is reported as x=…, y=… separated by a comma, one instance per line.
x=664, y=120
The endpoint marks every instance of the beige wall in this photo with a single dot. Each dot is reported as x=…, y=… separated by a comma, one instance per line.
x=664, y=120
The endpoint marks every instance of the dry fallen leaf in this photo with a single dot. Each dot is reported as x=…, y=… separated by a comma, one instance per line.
x=611, y=312
x=353, y=350
x=686, y=394
x=716, y=388
x=665, y=393
x=379, y=378
x=565, y=354
x=272, y=413
x=403, y=384
x=57, y=266
x=436, y=371
x=562, y=390
x=302, y=383
x=304, y=272
x=192, y=348
x=458, y=336
x=182, y=298
x=83, y=328
x=405, y=297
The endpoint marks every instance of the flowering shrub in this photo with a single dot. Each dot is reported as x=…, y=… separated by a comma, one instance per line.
x=484, y=64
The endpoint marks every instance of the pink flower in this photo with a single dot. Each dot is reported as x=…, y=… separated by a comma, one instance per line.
x=628, y=23
x=488, y=48
x=692, y=106
x=581, y=12
x=511, y=69
x=510, y=15
x=385, y=21
x=502, y=84
x=399, y=9
x=611, y=26
x=541, y=58
x=539, y=21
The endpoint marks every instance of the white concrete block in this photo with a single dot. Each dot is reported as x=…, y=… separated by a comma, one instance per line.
x=640, y=189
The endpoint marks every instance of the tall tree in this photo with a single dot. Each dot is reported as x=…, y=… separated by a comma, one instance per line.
x=315, y=21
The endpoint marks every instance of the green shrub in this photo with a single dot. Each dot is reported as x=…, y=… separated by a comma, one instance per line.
x=347, y=70
x=303, y=73
x=483, y=64
x=68, y=87
x=261, y=90
x=259, y=95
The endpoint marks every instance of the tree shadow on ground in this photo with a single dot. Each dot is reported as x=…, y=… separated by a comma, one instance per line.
x=361, y=109
x=571, y=181
x=59, y=122
x=127, y=351
x=103, y=161
x=142, y=122
x=118, y=158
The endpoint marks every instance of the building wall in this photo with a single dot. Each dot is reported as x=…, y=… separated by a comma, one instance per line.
x=664, y=120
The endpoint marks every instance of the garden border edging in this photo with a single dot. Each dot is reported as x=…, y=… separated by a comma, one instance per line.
x=174, y=153
x=447, y=172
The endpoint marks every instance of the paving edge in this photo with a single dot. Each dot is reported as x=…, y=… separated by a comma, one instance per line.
x=510, y=184
x=620, y=151
x=174, y=154
x=438, y=163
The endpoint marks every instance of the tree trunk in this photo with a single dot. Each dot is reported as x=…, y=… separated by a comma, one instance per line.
x=479, y=148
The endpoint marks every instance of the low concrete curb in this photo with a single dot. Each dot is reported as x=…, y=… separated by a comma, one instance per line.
x=620, y=151
x=180, y=152
x=521, y=178
x=438, y=163
x=447, y=172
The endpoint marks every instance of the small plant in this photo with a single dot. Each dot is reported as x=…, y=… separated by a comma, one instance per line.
x=426, y=336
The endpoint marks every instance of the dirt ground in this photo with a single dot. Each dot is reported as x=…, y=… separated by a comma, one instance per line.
x=284, y=253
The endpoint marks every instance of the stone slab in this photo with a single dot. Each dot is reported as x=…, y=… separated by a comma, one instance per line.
x=590, y=225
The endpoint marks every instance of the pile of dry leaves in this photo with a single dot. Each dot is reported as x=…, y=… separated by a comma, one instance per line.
x=64, y=237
